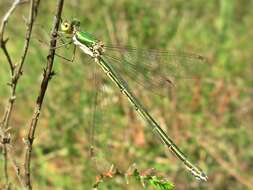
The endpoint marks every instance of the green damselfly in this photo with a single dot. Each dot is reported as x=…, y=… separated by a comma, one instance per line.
x=97, y=51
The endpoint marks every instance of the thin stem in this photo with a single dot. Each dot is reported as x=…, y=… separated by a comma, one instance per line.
x=47, y=75
x=2, y=30
x=6, y=175
x=16, y=72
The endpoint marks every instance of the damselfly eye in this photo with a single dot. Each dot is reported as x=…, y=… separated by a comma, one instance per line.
x=66, y=27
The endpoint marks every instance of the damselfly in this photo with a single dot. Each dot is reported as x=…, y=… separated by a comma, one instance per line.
x=97, y=51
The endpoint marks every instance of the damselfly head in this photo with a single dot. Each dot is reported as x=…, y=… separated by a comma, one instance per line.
x=67, y=27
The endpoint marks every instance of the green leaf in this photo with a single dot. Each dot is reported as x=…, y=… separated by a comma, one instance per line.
x=155, y=181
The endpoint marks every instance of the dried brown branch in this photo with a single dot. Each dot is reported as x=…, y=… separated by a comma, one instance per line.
x=3, y=46
x=6, y=175
x=47, y=75
x=16, y=72
x=2, y=30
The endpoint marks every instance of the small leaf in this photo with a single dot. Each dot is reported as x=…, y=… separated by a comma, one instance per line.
x=160, y=183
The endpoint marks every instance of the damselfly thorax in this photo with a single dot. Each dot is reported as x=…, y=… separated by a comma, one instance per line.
x=96, y=50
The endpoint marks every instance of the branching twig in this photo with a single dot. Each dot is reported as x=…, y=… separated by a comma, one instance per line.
x=3, y=46
x=47, y=75
x=2, y=29
x=16, y=72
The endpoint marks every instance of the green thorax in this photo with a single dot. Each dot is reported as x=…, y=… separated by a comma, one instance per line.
x=86, y=38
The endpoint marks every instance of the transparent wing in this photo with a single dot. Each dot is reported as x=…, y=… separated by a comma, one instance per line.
x=154, y=69
x=97, y=129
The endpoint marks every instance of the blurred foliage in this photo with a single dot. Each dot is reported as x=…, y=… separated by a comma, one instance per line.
x=210, y=119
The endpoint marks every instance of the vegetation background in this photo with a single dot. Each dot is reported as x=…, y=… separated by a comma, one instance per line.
x=210, y=119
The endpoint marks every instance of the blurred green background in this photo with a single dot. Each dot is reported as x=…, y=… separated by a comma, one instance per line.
x=210, y=119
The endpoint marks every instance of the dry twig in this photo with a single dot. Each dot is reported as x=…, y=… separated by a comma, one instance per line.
x=2, y=29
x=16, y=72
x=47, y=75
